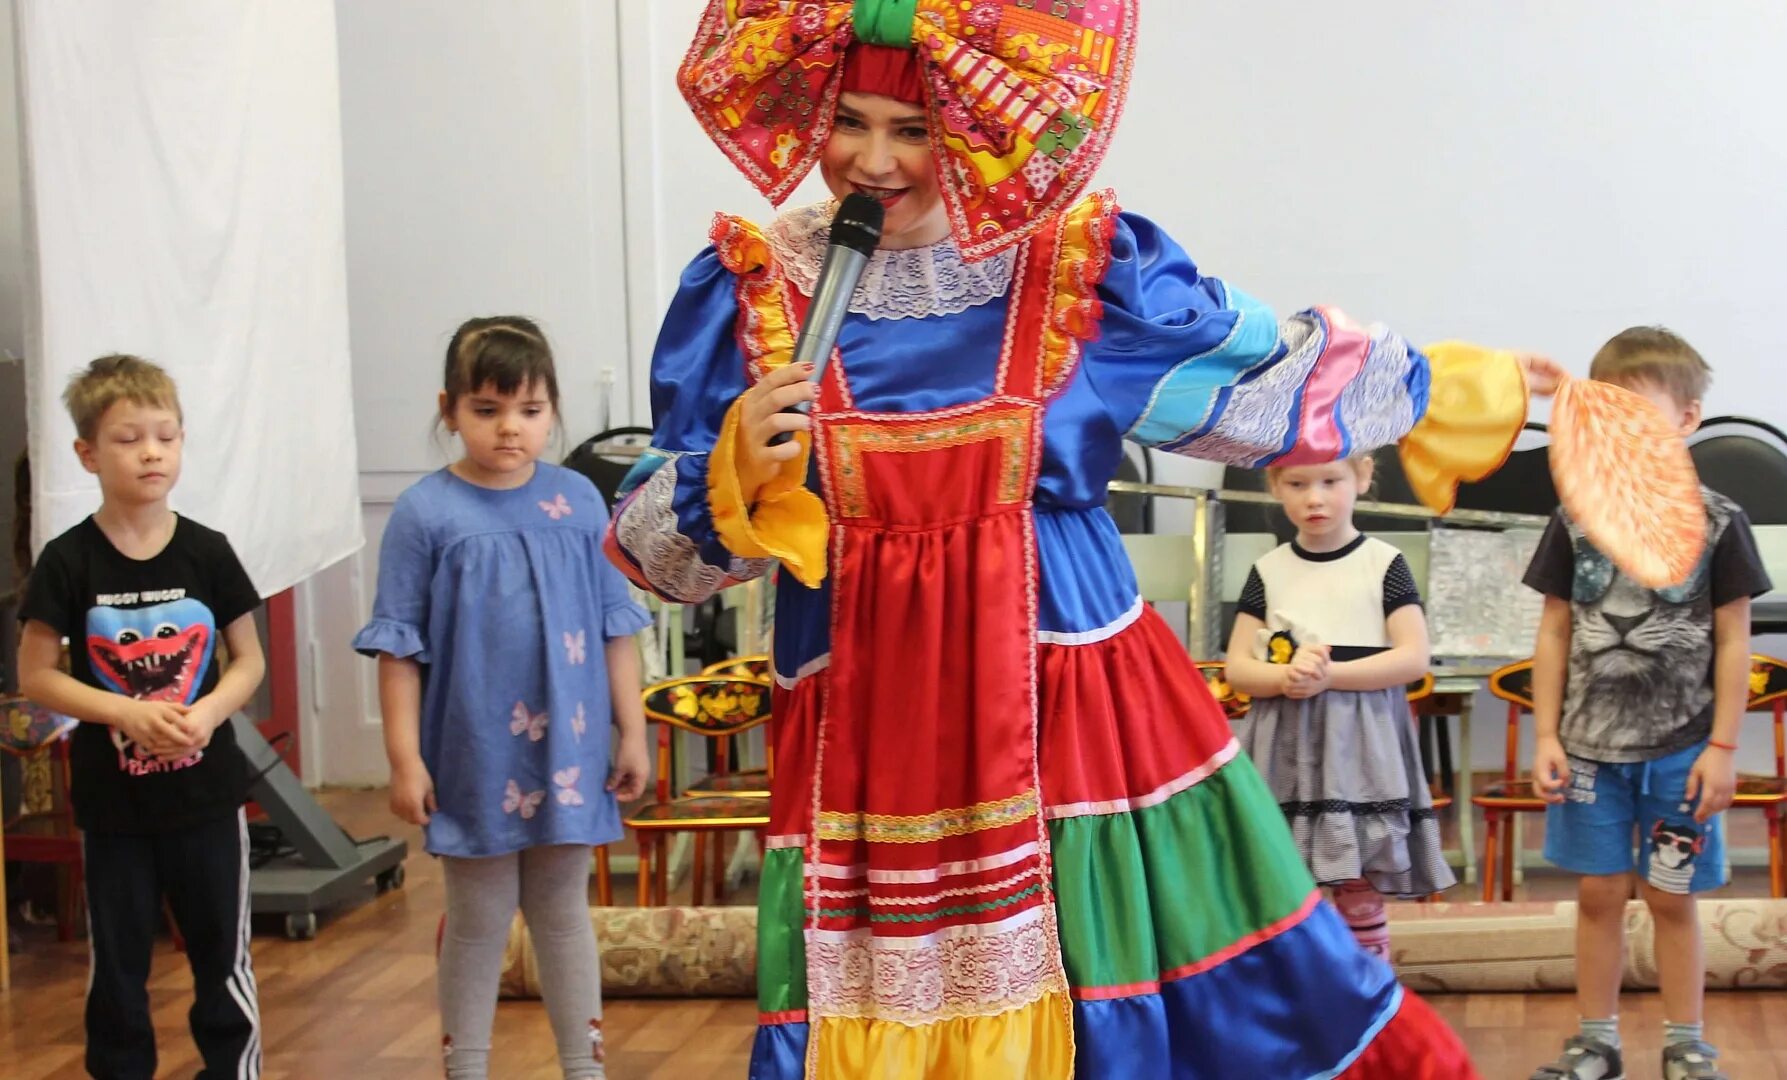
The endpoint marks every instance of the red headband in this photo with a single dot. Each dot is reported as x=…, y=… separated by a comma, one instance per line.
x=885, y=70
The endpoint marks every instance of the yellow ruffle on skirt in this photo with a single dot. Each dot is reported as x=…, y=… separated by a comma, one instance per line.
x=1034, y=1041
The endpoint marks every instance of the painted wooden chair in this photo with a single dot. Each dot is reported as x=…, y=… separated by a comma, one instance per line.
x=725, y=779
x=716, y=707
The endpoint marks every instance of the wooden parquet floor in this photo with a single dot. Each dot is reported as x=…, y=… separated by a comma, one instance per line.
x=359, y=1002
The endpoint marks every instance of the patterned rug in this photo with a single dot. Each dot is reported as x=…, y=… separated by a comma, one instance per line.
x=1438, y=948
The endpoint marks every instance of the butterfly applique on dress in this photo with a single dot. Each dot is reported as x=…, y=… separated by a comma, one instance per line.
x=515, y=802
x=557, y=508
x=566, y=779
x=533, y=725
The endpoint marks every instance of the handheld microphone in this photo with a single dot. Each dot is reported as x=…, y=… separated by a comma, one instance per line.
x=855, y=233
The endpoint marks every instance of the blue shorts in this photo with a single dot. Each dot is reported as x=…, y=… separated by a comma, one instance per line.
x=1591, y=831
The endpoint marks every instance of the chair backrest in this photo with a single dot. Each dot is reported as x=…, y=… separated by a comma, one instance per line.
x=1746, y=461
x=1513, y=683
x=27, y=727
x=1234, y=703
x=1768, y=690
x=593, y=458
x=1521, y=486
x=713, y=706
x=751, y=667
x=1252, y=517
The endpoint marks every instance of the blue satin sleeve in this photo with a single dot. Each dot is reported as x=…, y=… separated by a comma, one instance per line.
x=1190, y=364
x=1160, y=314
x=663, y=536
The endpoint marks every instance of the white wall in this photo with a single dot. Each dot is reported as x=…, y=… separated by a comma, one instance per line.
x=12, y=303
x=12, y=217
x=1522, y=174
x=481, y=145
x=1525, y=174
x=676, y=181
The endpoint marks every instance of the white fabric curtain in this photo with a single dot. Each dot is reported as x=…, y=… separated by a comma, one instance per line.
x=184, y=203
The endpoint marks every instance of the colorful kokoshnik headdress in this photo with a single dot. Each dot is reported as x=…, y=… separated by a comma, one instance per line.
x=1021, y=96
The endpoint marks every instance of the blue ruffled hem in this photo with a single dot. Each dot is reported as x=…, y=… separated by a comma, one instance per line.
x=397, y=639
x=779, y=1052
x=624, y=620
x=1304, y=1004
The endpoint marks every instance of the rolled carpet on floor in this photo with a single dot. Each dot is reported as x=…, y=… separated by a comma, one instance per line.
x=655, y=952
x=1438, y=948
x=1479, y=948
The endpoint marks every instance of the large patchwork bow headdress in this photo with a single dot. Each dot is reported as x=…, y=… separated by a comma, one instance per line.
x=1021, y=96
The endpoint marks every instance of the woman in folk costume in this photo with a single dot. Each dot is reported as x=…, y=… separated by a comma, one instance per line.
x=1012, y=834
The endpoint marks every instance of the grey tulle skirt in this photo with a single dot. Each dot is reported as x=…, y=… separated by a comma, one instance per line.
x=1346, y=770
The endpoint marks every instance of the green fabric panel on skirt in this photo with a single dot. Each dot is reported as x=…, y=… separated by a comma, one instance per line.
x=1152, y=890
x=781, y=946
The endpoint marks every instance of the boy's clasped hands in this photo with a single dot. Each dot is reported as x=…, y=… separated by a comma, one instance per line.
x=168, y=730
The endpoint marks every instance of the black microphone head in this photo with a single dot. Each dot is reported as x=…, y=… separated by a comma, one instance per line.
x=857, y=224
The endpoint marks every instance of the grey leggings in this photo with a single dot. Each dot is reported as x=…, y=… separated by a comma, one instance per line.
x=551, y=887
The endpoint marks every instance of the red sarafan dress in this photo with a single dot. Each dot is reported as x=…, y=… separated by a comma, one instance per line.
x=1012, y=835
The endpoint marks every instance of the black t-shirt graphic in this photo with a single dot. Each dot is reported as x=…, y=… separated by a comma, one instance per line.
x=148, y=629
x=1640, y=679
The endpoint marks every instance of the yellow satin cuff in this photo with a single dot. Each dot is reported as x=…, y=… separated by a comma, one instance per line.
x=787, y=523
x=1035, y=1042
x=1476, y=405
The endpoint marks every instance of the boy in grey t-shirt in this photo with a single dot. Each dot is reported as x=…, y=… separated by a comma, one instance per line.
x=1638, y=694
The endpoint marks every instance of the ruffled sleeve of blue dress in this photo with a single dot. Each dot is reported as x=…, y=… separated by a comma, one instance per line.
x=400, y=608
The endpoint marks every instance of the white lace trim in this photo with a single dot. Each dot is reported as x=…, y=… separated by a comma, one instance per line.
x=909, y=283
x=964, y=971
x=671, y=561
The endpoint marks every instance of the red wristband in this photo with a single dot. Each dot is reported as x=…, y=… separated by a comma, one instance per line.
x=1722, y=746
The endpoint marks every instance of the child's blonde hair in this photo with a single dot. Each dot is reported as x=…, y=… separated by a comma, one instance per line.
x=1653, y=354
x=1364, y=467
x=111, y=379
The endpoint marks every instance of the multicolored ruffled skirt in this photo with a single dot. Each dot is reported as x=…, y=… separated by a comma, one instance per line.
x=1195, y=944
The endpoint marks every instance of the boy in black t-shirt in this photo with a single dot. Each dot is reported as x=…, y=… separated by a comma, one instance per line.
x=1637, y=696
x=142, y=596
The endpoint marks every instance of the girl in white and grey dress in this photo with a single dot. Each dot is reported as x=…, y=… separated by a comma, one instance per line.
x=1328, y=634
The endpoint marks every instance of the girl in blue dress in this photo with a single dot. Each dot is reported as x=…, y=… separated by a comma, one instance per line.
x=505, y=650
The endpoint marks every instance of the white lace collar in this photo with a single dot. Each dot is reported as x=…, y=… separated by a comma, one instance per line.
x=910, y=283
